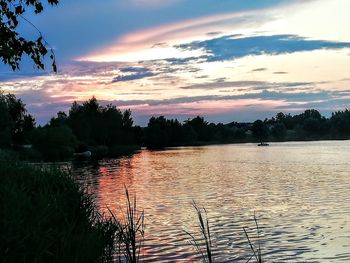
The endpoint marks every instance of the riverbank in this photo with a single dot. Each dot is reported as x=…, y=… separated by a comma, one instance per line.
x=46, y=217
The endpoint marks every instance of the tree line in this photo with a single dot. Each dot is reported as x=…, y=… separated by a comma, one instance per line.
x=108, y=131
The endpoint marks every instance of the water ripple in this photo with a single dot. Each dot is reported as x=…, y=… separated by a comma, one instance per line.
x=299, y=192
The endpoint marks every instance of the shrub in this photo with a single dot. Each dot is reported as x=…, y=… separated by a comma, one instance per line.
x=46, y=217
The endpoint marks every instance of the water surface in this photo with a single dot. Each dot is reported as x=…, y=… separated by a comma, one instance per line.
x=299, y=192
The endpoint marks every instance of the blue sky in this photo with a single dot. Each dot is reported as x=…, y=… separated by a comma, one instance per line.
x=226, y=60
x=76, y=27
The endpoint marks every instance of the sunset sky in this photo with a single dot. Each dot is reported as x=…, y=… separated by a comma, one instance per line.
x=227, y=60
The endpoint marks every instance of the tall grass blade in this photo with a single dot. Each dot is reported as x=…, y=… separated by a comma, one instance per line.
x=203, y=223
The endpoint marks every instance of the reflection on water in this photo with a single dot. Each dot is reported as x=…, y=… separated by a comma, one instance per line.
x=299, y=191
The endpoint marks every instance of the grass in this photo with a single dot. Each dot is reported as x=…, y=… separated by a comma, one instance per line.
x=203, y=244
x=46, y=217
x=256, y=251
x=131, y=231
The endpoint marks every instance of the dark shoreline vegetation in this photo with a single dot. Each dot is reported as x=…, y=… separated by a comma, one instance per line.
x=105, y=131
x=47, y=217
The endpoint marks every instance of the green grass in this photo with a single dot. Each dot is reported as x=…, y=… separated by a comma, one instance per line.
x=46, y=217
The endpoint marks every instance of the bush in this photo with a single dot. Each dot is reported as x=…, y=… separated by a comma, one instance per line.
x=46, y=217
x=54, y=143
x=29, y=154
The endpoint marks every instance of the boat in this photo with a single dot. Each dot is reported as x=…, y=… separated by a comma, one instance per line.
x=263, y=144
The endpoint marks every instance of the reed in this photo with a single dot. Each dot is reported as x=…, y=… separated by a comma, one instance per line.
x=255, y=250
x=203, y=245
x=130, y=236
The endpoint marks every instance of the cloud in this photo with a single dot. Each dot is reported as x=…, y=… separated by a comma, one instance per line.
x=331, y=104
x=136, y=73
x=143, y=44
x=133, y=69
x=135, y=76
x=259, y=69
x=255, y=85
x=233, y=47
x=289, y=97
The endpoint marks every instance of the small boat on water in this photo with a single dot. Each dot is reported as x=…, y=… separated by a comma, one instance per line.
x=263, y=144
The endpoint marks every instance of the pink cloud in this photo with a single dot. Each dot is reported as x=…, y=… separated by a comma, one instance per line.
x=205, y=108
x=178, y=32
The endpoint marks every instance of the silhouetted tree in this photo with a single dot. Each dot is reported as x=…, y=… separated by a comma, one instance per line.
x=156, y=134
x=260, y=130
x=60, y=120
x=54, y=143
x=314, y=114
x=340, y=124
x=201, y=127
x=278, y=130
x=13, y=45
x=95, y=124
x=15, y=123
x=312, y=126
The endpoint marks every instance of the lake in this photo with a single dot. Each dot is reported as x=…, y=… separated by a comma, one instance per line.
x=299, y=192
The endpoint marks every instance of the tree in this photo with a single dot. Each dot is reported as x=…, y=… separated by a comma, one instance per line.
x=340, y=124
x=260, y=130
x=312, y=126
x=60, y=120
x=200, y=126
x=278, y=130
x=95, y=124
x=54, y=143
x=15, y=123
x=312, y=114
x=12, y=44
x=157, y=134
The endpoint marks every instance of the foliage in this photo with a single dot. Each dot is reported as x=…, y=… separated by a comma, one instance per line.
x=12, y=44
x=278, y=130
x=54, y=143
x=46, y=217
x=200, y=127
x=101, y=125
x=162, y=132
x=260, y=130
x=15, y=123
x=108, y=131
x=340, y=124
